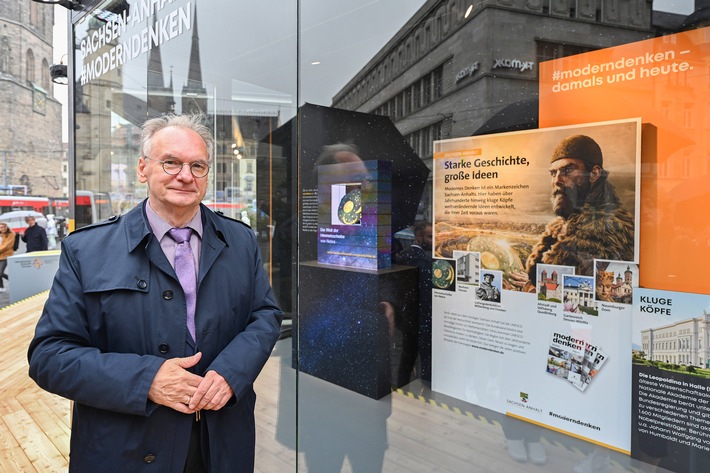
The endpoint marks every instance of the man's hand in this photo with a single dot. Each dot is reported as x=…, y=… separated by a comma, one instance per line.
x=517, y=281
x=173, y=385
x=212, y=393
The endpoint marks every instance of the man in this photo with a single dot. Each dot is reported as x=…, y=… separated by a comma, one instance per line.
x=486, y=291
x=591, y=221
x=35, y=236
x=416, y=335
x=153, y=388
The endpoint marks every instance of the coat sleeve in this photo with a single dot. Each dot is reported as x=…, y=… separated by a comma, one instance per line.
x=8, y=242
x=63, y=361
x=45, y=239
x=243, y=358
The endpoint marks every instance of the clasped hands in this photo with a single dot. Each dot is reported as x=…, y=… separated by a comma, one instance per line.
x=177, y=388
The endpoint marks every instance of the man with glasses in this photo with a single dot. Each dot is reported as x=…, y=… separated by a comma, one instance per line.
x=158, y=323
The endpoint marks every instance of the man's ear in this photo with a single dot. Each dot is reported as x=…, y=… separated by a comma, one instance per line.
x=140, y=171
x=595, y=173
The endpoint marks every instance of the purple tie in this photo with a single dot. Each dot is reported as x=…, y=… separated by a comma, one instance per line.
x=185, y=269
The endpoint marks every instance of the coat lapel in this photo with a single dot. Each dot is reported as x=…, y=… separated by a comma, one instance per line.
x=140, y=237
x=212, y=242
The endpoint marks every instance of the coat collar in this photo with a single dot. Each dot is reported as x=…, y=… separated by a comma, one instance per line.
x=138, y=233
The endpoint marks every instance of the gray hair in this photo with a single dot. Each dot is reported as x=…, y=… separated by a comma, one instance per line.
x=194, y=122
x=329, y=152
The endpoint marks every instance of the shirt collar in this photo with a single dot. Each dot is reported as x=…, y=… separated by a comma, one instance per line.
x=160, y=227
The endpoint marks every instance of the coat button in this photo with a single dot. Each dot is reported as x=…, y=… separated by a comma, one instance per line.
x=142, y=284
x=163, y=347
x=150, y=458
x=167, y=295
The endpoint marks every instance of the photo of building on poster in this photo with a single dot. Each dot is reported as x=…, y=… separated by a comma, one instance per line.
x=615, y=281
x=578, y=297
x=549, y=282
x=468, y=265
x=546, y=196
x=671, y=379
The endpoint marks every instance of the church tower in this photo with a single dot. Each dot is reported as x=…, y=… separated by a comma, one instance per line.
x=627, y=275
x=31, y=151
x=161, y=99
x=194, y=94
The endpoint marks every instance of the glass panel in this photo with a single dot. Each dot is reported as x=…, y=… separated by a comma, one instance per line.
x=424, y=206
x=503, y=345
x=234, y=62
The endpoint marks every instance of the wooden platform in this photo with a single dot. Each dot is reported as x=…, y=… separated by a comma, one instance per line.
x=34, y=432
x=35, y=425
x=423, y=431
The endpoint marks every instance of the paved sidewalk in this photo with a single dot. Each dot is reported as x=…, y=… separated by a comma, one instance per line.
x=5, y=296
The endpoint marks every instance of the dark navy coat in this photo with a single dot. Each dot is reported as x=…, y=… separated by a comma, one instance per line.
x=116, y=311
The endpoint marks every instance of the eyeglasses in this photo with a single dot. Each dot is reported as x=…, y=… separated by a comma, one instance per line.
x=173, y=167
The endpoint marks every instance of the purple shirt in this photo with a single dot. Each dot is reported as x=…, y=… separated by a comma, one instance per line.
x=160, y=229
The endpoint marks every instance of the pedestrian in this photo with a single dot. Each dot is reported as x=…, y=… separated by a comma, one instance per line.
x=158, y=323
x=35, y=236
x=51, y=232
x=7, y=249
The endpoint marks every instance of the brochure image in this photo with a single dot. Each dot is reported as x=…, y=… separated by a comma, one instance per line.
x=574, y=360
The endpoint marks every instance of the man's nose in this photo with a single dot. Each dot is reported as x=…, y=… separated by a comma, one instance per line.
x=185, y=172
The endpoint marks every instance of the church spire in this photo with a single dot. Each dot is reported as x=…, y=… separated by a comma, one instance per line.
x=194, y=94
x=160, y=98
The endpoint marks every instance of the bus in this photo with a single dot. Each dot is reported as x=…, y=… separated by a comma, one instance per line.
x=91, y=207
x=59, y=206
x=8, y=203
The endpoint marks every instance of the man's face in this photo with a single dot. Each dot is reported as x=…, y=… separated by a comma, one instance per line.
x=424, y=238
x=183, y=191
x=570, y=185
x=488, y=278
x=30, y=221
x=358, y=170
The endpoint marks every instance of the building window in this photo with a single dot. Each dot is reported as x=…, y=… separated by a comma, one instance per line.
x=34, y=14
x=407, y=109
x=5, y=55
x=30, y=71
x=547, y=50
x=437, y=83
x=45, y=74
x=426, y=90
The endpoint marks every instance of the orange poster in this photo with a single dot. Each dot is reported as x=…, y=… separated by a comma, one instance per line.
x=665, y=82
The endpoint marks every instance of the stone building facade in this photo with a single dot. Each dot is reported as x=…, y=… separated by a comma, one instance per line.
x=686, y=342
x=31, y=151
x=451, y=68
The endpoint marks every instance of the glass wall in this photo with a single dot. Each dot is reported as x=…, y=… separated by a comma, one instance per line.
x=483, y=219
